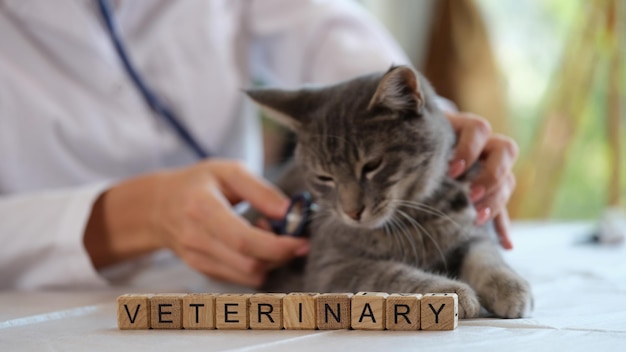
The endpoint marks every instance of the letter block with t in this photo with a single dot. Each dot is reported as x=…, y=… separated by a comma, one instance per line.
x=440, y=311
x=266, y=311
x=231, y=311
x=199, y=311
x=403, y=311
x=333, y=311
x=133, y=312
x=300, y=311
x=368, y=311
x=166, y=311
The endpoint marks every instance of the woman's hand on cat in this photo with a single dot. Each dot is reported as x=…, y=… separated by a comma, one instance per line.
x=189, y=211
x=495, y=183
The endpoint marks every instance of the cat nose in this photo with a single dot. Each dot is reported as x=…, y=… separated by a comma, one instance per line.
x=356, y=214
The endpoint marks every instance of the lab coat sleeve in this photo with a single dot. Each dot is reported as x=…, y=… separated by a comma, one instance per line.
x=317, y=41
x=42, y=239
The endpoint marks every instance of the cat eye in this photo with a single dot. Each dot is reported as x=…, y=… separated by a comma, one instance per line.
x=324, y=178
x=371, y=166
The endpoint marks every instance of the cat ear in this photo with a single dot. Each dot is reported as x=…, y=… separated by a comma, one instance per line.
x=288, y=107
x=399, y=89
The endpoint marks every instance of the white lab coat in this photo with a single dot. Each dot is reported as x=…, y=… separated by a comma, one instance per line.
x=72, y=123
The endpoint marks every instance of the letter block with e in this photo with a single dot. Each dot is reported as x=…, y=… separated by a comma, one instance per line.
x=133, y=312
x=231, y=311
x=166, y=311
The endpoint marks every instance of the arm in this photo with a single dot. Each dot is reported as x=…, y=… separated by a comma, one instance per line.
x=318, y=42
x=42, y=239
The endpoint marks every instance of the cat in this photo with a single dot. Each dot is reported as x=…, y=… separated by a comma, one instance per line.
x=374, y=153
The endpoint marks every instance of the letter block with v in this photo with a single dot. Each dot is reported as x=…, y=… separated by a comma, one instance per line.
x=133, y=312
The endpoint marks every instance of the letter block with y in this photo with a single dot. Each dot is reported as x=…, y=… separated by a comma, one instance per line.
x=231, y=311
x=440, y=311
x=333, y=311
x=368, y=311
x=266, y=311
x=403, y=311
x=166, y=311
x=133, y=312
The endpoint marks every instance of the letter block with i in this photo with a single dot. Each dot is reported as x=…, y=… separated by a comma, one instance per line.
x=266, y=311
x=166, y=311
x=368, y=311
x=133, y=312
x=440, y=311
x=199, y=311
x=333, y=311
x=231, y=311
x=300, y=311
x=403, y=311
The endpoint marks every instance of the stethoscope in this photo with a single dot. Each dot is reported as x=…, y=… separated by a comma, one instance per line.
x=300, y=209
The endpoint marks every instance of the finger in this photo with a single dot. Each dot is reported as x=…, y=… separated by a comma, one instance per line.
x=493, y=203
x=250, y=241
x=207, y=245
x=502, y=224
x=499, y=156
x=263, y=224
x=472, y=135
x=218, y=270
x=240, y=184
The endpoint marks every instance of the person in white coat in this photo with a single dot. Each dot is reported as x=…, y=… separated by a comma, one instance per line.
x=90, y=176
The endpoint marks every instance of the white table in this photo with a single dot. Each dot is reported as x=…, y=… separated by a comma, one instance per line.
x=580, y=295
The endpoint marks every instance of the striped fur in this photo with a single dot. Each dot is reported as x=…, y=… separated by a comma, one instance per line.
x=379, y=143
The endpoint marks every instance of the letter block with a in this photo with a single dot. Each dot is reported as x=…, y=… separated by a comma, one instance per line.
x=166, y=311
x=231, y=311
x=333, y=311
x=368, y=311
x=266, y=311
x=199, y=311
x=133, y=312
x=403, y=311
x=440, y=311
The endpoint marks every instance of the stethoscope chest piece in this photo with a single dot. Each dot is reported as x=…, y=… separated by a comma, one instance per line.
x=297, y=216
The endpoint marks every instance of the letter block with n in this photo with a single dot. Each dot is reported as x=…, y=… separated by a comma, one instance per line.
x=133, y=312
x=333, y=311
x=368, y=311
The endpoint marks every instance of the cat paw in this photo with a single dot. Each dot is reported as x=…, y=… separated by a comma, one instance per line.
x=507, y=295
x=469, y=305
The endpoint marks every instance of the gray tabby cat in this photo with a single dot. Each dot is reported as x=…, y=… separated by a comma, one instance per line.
x=374, y=152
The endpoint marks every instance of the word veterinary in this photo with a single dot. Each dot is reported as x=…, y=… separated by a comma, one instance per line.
x=294, y=311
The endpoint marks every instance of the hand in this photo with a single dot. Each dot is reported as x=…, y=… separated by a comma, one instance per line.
x=190, y=211
x=492, y=188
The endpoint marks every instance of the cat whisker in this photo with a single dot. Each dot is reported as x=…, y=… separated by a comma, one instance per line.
x=417, y=225
x=426, y=209
x=406, y=233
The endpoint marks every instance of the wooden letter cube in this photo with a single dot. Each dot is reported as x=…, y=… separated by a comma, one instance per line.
x=368, y=311
x=403, y=311
x=133, y=312
x=440, y=311
x=299, y=311
x=166, y=311
x=231, y=311
x=333, y=311
x=199, y=311
x=266, y=311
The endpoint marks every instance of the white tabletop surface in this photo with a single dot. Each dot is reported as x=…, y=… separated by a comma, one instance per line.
x=579, y=289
